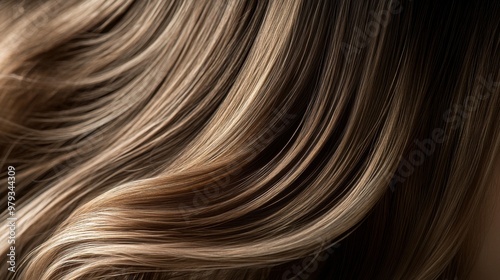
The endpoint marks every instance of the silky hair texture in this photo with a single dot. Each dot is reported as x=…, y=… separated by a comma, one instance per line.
x=299, y=139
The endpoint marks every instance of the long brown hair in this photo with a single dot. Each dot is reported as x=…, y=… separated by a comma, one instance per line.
x=247, y=139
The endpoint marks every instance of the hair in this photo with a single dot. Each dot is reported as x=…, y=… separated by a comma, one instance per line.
x=247, y=139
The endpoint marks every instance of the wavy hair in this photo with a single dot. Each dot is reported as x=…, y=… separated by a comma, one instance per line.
x=247, y=139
